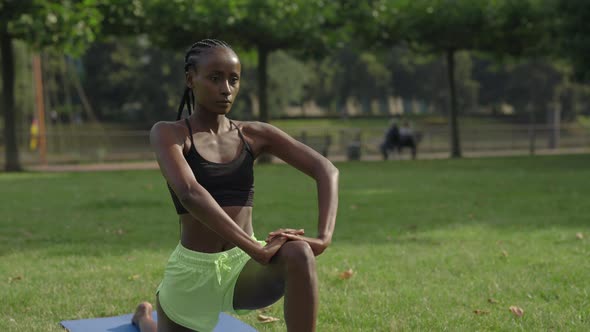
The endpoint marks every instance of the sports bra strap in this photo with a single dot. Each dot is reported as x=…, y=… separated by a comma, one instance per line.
x=190, y=130
x=242, y=137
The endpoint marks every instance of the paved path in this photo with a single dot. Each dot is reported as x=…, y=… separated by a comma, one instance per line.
x=118, y=166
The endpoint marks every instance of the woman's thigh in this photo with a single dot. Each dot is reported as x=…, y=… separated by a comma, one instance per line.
x=165, y=324
x=258, y=285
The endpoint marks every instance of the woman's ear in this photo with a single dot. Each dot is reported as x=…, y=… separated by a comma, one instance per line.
x=188, y=79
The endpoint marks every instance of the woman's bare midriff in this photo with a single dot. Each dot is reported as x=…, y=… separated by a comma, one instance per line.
x=196, y=236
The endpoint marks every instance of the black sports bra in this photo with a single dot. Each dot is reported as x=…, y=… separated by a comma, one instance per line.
x=230, y=184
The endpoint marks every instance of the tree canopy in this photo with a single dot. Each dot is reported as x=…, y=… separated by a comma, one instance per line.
x=511, y=27
x=263, y=26
x=69, y=25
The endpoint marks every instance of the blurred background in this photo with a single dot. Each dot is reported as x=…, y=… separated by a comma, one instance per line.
x=83, y=81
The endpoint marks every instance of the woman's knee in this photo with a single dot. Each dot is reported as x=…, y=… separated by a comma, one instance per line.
x=297, y=253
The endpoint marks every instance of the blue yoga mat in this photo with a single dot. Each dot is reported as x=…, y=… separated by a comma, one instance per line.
x=122, y=323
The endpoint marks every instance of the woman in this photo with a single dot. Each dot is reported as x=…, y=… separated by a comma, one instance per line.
x=207, y=160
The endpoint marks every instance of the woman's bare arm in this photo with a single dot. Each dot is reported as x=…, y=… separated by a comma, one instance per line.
x=270, y=139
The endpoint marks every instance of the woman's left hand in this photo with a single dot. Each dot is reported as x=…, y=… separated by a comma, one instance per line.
x=317, y=245
x=283, y=231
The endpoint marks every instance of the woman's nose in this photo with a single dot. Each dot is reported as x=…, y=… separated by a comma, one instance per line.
x=225, y=88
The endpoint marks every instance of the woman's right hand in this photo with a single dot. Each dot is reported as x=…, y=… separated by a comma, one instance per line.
x=281, y=231
x=270, y=249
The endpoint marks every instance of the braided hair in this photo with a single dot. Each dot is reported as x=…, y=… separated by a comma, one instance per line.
x=191, y=59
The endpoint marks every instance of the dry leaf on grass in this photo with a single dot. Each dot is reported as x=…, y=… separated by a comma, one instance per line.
x=266, y=319
x=346, y=274
x=579, y=235
x=134, y=277
x=492, y=300
x=516, y=311
x=480, y=312
x=504, y=253
x=13, y=279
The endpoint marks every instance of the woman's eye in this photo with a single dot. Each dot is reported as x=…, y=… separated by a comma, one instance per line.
x=214, y=78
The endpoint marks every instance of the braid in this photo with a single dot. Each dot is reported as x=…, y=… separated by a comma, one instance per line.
x=190, y=60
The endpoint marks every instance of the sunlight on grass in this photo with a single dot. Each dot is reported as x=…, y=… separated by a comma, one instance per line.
x=29, y=176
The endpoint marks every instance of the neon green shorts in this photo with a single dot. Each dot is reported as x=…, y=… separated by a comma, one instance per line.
x=198, y=286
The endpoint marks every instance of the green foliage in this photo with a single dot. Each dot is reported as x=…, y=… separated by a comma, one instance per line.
x=288, y=78
x=70, y=25
x=121, y=17
x=270, y=24
x=128, y=80
x=573, y=35
x=502, y=26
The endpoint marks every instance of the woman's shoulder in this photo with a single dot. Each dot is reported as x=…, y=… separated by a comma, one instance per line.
x=168, y=130
x=166, y=126
x=255, y=127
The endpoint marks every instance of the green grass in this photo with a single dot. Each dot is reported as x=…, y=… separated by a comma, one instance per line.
x=429, y=242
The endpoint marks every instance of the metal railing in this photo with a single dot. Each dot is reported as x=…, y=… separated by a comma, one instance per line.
x=91, y=146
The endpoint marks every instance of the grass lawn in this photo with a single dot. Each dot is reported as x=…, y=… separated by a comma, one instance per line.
x=433, y=244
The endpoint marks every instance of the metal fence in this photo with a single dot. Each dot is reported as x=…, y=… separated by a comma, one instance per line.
x=70, y=146
x=435, y=141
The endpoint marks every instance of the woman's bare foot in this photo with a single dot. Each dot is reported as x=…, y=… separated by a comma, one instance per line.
x=142, y=312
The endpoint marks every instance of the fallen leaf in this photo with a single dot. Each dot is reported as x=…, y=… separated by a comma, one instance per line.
x=17, y=278
x=492, y=300
x=480, y=312
x=516, y=311
x=266, y=319
x=504, y=253
x=346, y=274
x=579, y=235
x=134, y=277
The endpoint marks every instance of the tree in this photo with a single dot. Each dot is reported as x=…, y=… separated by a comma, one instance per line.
x=448, y=26
x=573, y=33
x=66, y=24
x=261, y=25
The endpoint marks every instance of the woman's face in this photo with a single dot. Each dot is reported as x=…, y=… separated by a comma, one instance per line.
x=216, y=80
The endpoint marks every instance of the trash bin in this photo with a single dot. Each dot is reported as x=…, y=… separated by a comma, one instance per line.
x=353, y=151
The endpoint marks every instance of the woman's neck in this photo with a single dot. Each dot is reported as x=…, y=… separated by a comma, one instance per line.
x=210, y=122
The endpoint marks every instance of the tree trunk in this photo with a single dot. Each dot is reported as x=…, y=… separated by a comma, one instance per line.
x=532, y=129
x=11, y=152
x=262, y=84
x=263, y=115
x=453, y=114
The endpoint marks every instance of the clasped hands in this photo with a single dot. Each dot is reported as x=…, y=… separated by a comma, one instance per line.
x=288, y=234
